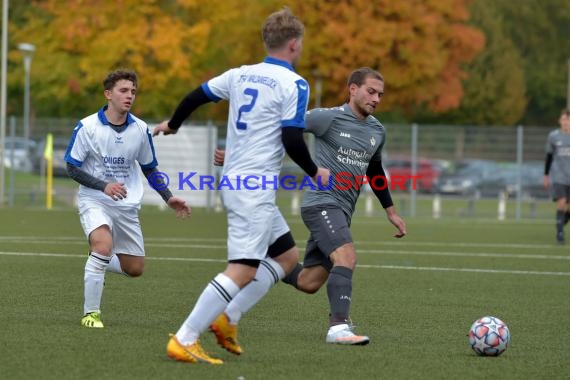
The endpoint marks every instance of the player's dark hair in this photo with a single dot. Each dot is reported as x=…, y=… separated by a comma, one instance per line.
x=114, y=76
x=565, y=112
x=358, y=76
x=280, y=27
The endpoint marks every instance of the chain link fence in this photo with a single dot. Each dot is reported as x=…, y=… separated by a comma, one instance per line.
x=520, y=149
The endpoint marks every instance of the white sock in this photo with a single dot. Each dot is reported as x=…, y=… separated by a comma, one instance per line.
x=115, y=265
x=211, y=303
x=268, y=274
x=94, y=279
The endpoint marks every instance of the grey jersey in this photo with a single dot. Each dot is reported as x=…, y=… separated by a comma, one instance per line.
x=345, y=145
x=558, y=144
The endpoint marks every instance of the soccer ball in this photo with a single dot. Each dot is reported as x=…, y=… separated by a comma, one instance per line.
x=489, y=336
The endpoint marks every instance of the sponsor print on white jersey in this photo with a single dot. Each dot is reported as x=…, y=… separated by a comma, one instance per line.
x=99, y=150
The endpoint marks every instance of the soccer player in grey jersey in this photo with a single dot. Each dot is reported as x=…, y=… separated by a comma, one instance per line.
x=557, y=171
x=349, y=141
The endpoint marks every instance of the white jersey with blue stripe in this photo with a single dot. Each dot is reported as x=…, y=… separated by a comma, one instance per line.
x=263, y=98
x=110, y=156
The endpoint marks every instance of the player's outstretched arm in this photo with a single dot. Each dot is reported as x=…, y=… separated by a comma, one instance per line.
x=193, y=100
x=164, y=129
x=180, y=207
x=397, y=221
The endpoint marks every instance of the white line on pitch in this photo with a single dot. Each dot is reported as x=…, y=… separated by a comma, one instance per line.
x=81, y=240
x=361, y=251
x=392, y=267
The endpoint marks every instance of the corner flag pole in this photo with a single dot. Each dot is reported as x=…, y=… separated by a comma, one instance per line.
x=48, y=155
x=568, y=88
x=3, y=95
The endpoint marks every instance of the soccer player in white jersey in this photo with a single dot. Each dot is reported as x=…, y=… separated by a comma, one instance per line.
x=266, y=117
x=349, y=141
x=557, y=171
x=105, y=156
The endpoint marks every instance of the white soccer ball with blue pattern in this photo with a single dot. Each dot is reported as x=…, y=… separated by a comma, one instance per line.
x=489, y=336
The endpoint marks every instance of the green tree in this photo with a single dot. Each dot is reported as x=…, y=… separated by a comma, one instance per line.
x=540, y=30
x=495, y=91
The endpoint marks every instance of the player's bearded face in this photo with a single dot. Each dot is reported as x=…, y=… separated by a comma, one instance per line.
x=367, y=96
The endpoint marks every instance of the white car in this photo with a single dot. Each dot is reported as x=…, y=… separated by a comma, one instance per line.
x=18, y=153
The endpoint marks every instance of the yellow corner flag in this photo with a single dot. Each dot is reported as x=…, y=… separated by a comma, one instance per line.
x=48, y=155
x=48, y=150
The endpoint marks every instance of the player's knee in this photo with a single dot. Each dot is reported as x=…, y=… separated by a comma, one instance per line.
x=310, y=283
x=134, y=273
x=134, y=270
x=102, y=249
x=344, y=259
x=309, y=288
x=288, y=260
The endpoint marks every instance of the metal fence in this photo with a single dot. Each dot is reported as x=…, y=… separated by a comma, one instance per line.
x=452, y=142
x=502, y=144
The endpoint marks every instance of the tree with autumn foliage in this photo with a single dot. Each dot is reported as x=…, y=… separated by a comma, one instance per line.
x=418, y=45
x=78, y=42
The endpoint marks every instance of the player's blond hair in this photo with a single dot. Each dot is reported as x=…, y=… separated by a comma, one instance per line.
x=280, y=27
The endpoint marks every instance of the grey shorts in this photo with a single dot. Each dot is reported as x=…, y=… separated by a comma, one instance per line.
x=329, y=229
x=560, y=191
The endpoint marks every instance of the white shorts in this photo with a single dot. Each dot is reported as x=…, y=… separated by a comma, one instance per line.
x=123, y=222
x=254, y=223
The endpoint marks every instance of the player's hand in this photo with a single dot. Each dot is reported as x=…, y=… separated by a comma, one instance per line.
x=546, y=182
x=323, y=177
x=397, y=221
x=116, y=190
x=164, y=128
x=219, y=157
x=179, y=205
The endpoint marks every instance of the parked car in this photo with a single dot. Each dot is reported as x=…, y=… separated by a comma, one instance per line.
x=427, y=170
x=506, y=180
x=533, y=180
x=503, y=180
x=20, y=150
x=59, y=149
x=465, y=177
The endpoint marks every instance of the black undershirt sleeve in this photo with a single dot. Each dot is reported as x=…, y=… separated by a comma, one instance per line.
x=165, y=193
x=383, y=195
x=84, y=178
x=190, y=102
x=88, y=180
x=292, y=138
x=547, y=163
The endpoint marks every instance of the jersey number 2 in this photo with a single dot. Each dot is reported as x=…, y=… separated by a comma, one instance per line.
x=246, y=107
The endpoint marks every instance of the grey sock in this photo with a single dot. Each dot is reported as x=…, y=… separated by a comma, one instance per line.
x=560, y=217
x=339, y=290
